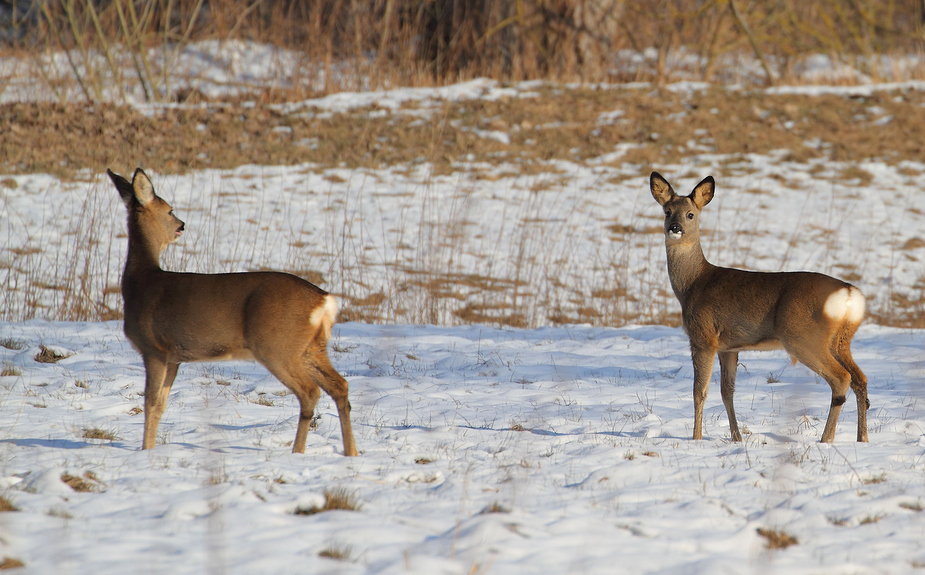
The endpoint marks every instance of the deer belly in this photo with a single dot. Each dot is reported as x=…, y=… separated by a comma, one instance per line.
x=764, y=345
x=187, y=355
x=238, y=354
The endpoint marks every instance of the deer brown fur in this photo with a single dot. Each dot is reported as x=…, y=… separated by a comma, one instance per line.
x=277, y=319
x=724, y=311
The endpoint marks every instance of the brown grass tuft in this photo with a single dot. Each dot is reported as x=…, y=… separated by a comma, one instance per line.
x=875, y=479
x=334, y=499
x=777, y=539
x=6, y=504
x=870, y=519
x=494, y=507
x=9, y=370
x=338, y=552
x=47, y=355
x=98, y=433
x=262, y=399
x=12, y=344
x=86, y=484
x=11, y=563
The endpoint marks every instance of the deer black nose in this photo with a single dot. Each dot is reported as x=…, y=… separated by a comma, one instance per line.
x=675, y=228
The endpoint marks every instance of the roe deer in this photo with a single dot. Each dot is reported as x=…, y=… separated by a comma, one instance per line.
x=811, y=316
x=275, y=318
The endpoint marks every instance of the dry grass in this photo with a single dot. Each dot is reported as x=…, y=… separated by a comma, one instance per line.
x=337, y=552
x=494, y=507
x=558, y=124
x=374, y=43
x=337, y=498
x=262, y=399
x=48, y=355
x=12, y=344
x=871, y=519
x=6, y=504
x=98, y=433
x=86, y=484
x=875, y=479
x=11, y=563
x=9, y=369
x=777, y=539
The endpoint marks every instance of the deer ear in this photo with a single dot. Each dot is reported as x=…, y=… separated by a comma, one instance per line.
x=703, y=192
x=660, y=188
x=123, y=186
x=142, y=187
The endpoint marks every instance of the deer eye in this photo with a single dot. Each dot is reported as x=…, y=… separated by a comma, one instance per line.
x=690, y=215
x=667, y=213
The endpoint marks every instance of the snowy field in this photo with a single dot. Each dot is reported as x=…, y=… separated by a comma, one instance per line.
x=482, y=450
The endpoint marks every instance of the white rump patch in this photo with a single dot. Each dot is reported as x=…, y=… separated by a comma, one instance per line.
x=325, y=315
x=846, y=304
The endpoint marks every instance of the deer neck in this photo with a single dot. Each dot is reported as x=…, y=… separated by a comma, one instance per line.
x=686, y=265
x=143, y=253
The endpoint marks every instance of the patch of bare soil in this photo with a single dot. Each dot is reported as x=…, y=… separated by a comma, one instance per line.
x=559, y=123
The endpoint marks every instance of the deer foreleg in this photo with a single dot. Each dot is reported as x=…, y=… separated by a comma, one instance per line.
x=159, y=376
x=703, y=371
x=728, y=361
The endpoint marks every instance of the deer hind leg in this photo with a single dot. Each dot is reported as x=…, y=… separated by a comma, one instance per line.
x=820, y=359
x=308, y=395
x=327, y=378
x=298, y=379
x=703, y=371
x=159, y=376
x=304, y=377
x=728, y=361
x=842, y=352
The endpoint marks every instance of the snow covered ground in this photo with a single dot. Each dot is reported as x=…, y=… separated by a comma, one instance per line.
x=482, y=450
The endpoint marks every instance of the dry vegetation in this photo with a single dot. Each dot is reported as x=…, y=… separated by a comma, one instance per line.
x=98, y=433
x=86, y=484
x=371, y=43
x=337, y=552
x=777, y=539
x=561, y=123
x=335, y=499
x=11, y=563
x=48, y=355
x=6, y=504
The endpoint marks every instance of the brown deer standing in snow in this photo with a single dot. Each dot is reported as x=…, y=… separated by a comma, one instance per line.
x=278, y=319
x=811, y=316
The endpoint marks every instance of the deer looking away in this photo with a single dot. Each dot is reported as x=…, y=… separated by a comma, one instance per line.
x=275, y=318
x=724, y=311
